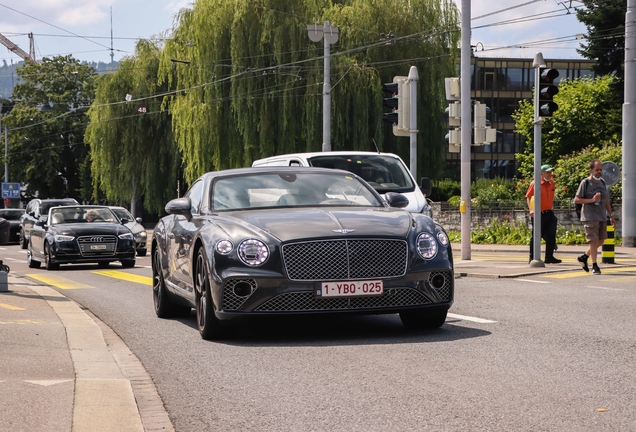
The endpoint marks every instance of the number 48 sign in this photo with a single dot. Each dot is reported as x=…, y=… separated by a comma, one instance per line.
x=142, y=109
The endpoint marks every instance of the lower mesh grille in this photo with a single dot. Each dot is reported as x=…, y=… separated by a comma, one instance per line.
x=445, y=290
x=231, y=301
x=305, y=301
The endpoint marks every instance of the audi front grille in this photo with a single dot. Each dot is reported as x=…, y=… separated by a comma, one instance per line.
x=345, y=259
x=91, y=246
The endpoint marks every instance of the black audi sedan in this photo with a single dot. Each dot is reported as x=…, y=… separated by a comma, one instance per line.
x=287, y=240
x=13, y=216
x=80, y=234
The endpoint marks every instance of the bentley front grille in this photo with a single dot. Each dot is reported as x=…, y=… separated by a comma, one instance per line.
x=305, y=301
x=441, y=282
x=236, y=291
x=91, y=246
x=345, y=259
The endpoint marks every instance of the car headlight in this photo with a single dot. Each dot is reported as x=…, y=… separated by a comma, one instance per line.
x=143, y=234
x=253, y=252
x=442, y=237
x=126, y=236
x=63, y=238
x=426, y=245
x=224, y=246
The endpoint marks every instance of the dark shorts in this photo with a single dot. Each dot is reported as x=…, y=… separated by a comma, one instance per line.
x=595, y=230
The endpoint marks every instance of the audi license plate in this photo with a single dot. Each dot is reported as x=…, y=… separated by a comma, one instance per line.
x=349, y=288
x=98, y=247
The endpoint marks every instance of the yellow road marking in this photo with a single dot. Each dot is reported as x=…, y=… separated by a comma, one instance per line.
x=58, y=281
x=144, y=280
x=10, y=307
x=21, y=322
x=604, y=270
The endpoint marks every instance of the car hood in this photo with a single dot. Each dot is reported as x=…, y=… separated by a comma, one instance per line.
x=89, y=229
x=324, y=223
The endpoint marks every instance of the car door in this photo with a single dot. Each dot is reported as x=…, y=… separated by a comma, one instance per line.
x=182, y=239
x=28, y=219
x=37, y=235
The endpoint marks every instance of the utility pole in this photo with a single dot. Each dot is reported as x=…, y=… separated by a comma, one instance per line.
x=330, y=34
x=413, y=78
x=464, y=206
x=629, y=130
x=538, y=122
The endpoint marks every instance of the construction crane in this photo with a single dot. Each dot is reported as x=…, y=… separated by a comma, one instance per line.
x=19, y=51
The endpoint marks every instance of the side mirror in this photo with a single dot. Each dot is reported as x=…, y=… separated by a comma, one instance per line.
x=40, y=223
x=425, y=186
x=179, y=206
x=125, y=220
x=396, y=200
x=138, y=220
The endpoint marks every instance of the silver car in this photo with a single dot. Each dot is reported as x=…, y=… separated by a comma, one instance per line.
x=135, y=226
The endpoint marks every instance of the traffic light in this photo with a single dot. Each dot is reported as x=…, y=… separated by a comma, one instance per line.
x=547, y=90
x=399, y=104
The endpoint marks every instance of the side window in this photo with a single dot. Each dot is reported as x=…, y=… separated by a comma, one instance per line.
x=196, y=195
x=295, y=163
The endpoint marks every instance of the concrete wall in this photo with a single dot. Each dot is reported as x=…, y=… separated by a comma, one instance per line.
x=450, y=219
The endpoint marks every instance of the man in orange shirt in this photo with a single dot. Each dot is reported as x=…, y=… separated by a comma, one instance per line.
x=548, y=218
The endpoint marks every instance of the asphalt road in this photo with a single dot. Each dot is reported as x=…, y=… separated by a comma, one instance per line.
x=542, y=353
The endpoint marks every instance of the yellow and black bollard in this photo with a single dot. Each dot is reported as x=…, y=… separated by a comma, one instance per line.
x=608, y=246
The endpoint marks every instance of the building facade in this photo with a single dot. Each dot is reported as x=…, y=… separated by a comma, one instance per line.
x=501, y=83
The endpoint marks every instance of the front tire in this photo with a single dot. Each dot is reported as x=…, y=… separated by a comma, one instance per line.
x=209, y=325
x=164, y=308
x=423, y=319
x=48, y=261
x=31, y=262
x=24, y=243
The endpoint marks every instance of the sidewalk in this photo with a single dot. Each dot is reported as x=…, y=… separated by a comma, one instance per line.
x=511, y=261
x=64, y=370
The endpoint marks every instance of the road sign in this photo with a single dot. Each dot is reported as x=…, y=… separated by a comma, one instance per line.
x=10, y=190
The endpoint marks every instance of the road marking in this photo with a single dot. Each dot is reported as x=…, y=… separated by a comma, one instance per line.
x=605, y=288
x=21, y=322
x=46, y=383
x=11, y=307
x=604, y=270
x=467, y=318
x=14, y=259
x=534, y=281
x=117, y=274
x=621, y=279
x=58, y=281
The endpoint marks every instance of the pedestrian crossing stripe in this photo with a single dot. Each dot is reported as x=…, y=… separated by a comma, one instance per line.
x=11, y=307
x=116, y=274
x=58, y=281
x=604, y=270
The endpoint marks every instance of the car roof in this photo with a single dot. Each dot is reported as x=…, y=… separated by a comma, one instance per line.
x=274, y=169
x=331, y=153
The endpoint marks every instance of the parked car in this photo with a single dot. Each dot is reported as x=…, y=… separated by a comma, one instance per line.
x=13, y=216
x=36, y=210
x=134, y=225
x=80, y=234
x=281, y=240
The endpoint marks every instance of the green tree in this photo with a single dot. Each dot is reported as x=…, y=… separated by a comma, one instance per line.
x=133, y=153
x=586, y=116
x=248, y=81
x=46, y=126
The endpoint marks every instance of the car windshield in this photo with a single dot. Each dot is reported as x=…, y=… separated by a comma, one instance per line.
x=10, y=214
x=66, y=215
x=123, y=214
x=383, y=172
x=48, y=204
x=291, y=189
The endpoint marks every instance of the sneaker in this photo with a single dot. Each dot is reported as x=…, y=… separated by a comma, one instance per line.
x=595, y=269
x=583, y=260
x=553, y=260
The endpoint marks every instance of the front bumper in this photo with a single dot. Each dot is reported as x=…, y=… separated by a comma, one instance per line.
x=69, y=252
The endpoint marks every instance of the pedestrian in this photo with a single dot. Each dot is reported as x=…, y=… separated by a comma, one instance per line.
x=593, y=194
x=548, y=218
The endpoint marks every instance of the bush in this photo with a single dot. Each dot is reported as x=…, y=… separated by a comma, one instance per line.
x=444, y=189
x=507, y=233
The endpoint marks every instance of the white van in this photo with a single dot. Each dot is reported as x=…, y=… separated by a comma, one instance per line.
x=385, y=172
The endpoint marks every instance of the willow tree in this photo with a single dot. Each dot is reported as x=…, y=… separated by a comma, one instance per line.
x=133, y=152
x=248, y=81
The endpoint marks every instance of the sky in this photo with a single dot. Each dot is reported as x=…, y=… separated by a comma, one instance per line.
x=83, y=27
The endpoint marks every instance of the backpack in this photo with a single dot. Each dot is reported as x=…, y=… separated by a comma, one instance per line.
x=579, y=207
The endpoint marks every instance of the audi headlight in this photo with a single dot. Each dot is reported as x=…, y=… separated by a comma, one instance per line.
x=224, y=246
x=426, y=246
x=253, y=252
x=63, y=238
x=126, y=236
x=143, y=234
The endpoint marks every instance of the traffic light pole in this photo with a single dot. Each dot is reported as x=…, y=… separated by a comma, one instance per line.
x=465, y=130
x=538, y=122
x=413, y=78
x=629, y=130
x=326, y=96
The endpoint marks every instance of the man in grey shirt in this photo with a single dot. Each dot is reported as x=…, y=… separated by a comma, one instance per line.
x=594, y=196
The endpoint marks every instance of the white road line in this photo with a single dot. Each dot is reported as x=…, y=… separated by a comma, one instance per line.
x=605, y=288
x=14, y=259
x=534, y=281
x=467, y=318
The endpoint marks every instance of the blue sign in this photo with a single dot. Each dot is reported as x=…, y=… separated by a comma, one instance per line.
x=10, y=190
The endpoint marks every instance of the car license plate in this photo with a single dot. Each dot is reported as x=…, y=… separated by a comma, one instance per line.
x=349, y=288
x=98, y=247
